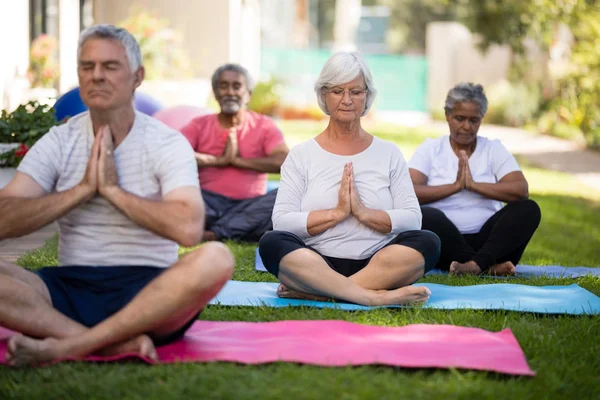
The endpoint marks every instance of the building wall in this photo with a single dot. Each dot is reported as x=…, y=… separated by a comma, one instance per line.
x=214, y=31
x=14, y=31
x=453, y=57
x=68, y=31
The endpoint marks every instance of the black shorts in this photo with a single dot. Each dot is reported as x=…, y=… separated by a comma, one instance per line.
x=275, y=245
x=89, y=295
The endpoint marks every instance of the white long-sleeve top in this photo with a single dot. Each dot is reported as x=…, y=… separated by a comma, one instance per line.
x=311, y=179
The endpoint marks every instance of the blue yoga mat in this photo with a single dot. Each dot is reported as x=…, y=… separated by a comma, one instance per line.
x=272, y=185
x=554, y=271
x=571, y=299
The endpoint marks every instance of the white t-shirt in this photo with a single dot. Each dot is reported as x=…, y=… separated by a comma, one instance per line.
x=489, y=163
x=311, y=179
x=152, y=160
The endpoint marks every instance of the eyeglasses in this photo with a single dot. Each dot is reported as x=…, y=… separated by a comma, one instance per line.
x=354, y=93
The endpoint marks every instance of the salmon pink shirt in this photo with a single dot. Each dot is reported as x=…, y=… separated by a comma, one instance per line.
x=257, y=137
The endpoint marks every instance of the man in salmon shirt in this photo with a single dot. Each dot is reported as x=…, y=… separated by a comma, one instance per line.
x=235, y=151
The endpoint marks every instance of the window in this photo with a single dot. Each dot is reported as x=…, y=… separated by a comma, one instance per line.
x=43, y=18
x=86, y=13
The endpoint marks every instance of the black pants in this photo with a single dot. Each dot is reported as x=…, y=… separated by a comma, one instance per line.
x=245, y=220
x=502, y=238
x=275, y=245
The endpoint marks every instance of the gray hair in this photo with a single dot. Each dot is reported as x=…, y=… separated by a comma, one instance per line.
x=469, y=92
x=342, y=68
x=233, y=68
x=106, y=31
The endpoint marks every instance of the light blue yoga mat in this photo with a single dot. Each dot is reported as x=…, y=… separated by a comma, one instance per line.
x=272, y=185
x=554, y=271
x=571, y=299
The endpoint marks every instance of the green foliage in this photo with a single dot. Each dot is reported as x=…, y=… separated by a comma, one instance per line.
x=578, y=93
x=164, y=55
x=575, y=104
x=265, y=98
x=513, y=104
x=409, y=19
x=25, y=125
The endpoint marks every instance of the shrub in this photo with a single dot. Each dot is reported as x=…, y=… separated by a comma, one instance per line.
x=265, y=98
x=25, y=125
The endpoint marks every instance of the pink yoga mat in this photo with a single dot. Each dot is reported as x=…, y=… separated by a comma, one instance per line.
x=340, y=343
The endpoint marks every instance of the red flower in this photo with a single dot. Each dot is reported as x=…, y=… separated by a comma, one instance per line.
x=22, y=150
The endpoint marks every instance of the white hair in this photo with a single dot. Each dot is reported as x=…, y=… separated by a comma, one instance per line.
x=106, y=31
x=340, y=69
x=466, y=92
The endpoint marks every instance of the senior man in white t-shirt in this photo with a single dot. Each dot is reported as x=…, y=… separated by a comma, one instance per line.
x=464, y=180
x=125, y=192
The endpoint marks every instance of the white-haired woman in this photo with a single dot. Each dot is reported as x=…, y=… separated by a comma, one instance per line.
x=346, y=220
x=465, y=179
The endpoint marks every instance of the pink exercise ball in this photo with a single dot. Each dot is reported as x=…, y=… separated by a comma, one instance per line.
x=179, y=116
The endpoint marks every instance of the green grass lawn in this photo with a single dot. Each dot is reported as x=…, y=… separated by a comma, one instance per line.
x=563, y=350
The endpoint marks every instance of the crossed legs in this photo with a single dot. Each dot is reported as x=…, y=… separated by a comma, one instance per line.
x=384, y=280
x=164, y=306
x=496, y=248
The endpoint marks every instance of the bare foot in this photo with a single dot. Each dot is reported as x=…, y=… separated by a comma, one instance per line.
x=22, y=350
x=468, y=268
x=503, y=269
x=209, y=236
x=141, y=345
x=403, y=296
x=285, y=293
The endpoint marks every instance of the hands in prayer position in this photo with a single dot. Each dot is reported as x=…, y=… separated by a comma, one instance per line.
x=464, y=179
x=231, y=150
x=101, y=173
x=349, y=202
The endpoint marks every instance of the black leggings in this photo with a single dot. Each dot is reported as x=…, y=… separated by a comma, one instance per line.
x=502, y=238
x=275, y=245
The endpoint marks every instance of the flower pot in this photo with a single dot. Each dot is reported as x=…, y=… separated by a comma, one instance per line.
x=43, y=95
x=5, y=148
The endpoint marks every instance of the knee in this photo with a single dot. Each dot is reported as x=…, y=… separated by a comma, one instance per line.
x=430, y=247
x=528, y=209
x=432, y=214
x=212, y=259
x=431, y=243
x=271, y=240
x=275, y=245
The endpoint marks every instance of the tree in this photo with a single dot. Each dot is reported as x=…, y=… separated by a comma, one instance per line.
x=576, y=95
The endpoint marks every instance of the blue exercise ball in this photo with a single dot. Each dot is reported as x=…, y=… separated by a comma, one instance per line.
x=146, y=104
x=70, y=104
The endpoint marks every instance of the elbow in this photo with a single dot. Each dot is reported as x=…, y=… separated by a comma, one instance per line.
x=524, y=195
x=279, y=162
x=276, y=168
x=6, y=232
x=190, y=235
